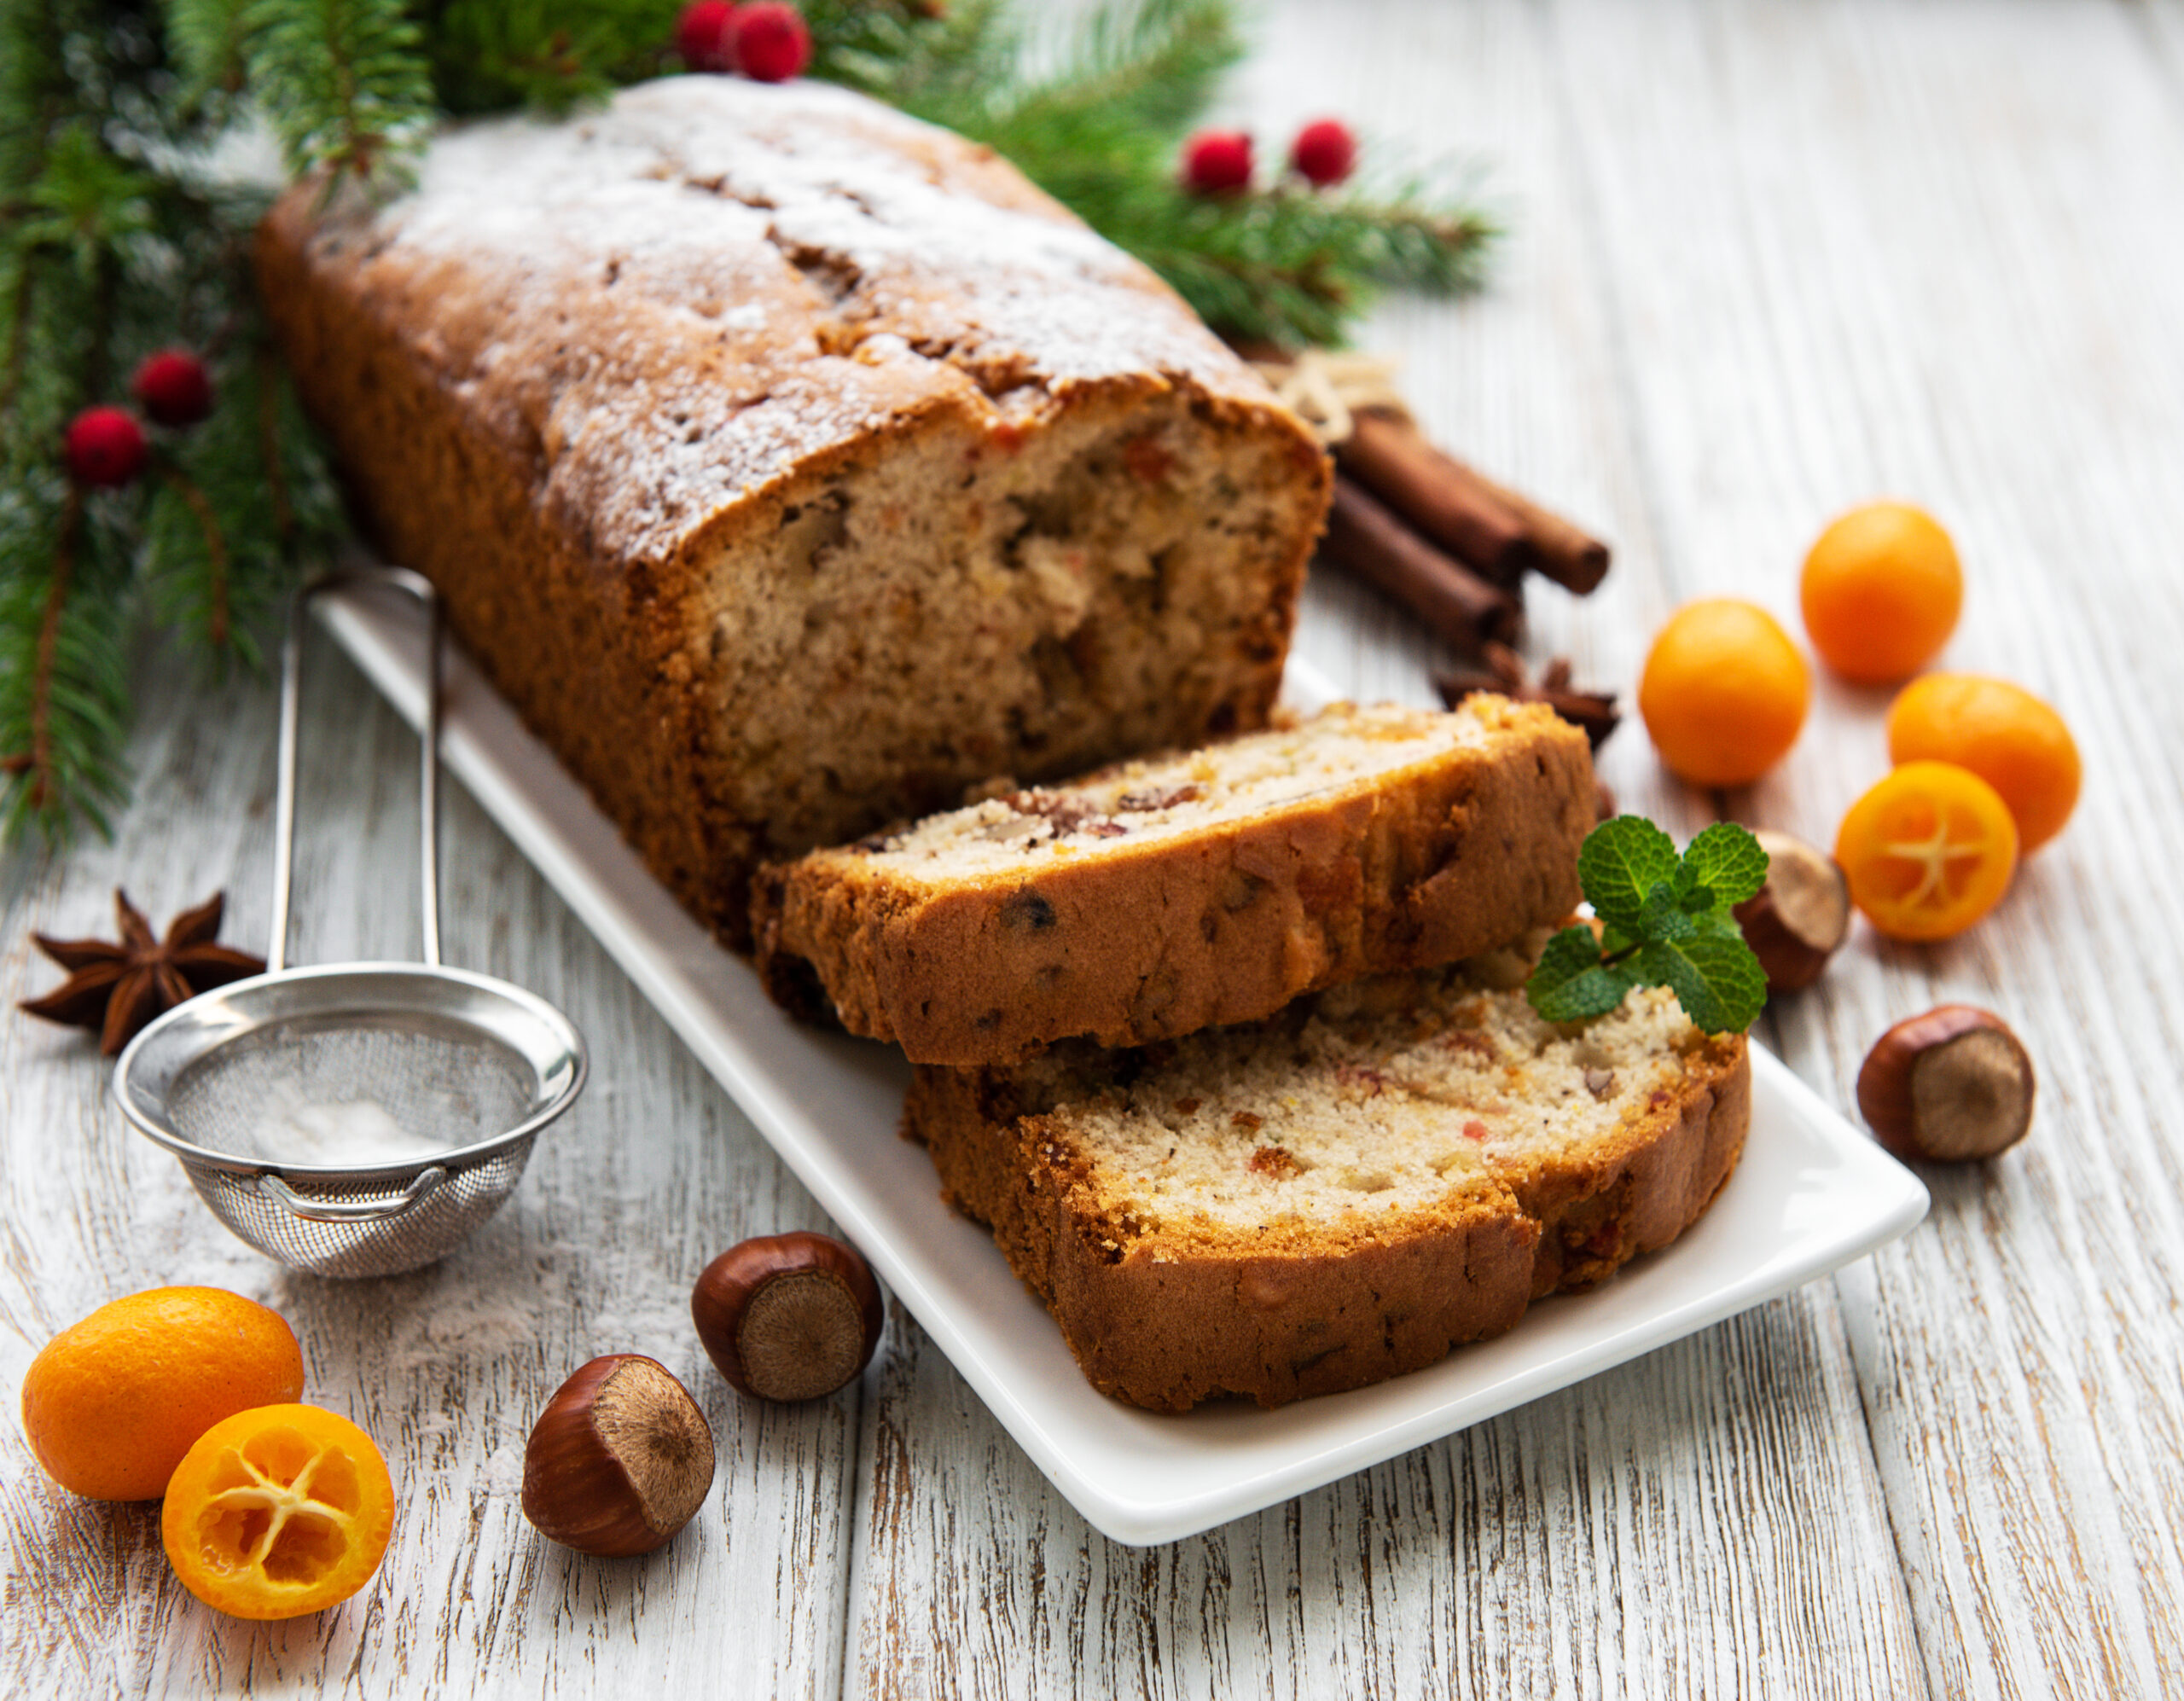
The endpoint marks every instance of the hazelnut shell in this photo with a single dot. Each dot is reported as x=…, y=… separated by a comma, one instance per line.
x=788, y=1316
x=1951, y=1086
x=619, y=1460
x=1799, y=919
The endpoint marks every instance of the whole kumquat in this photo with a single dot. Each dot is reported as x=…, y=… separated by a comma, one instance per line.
x=2002, y=733
x=1723, y=693
x=1881, y=590
x=278, y=1511
x=1928, y=851
x=113, y=1402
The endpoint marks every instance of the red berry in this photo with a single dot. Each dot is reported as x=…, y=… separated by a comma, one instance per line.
x=771, y=43
x=104, y=446
x=1324, y=151
x=1217, y=162
x=704, y=35
x=174, y=387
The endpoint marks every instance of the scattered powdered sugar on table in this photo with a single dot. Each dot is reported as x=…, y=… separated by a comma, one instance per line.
x=502, y=1470
x=679, y=298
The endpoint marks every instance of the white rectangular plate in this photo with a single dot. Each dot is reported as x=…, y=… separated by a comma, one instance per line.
x=1811, y=1195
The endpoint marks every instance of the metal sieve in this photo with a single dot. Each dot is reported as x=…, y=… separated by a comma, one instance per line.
x=353, y=1119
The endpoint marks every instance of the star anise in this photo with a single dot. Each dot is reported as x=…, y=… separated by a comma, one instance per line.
x=1504, y=672
x=116, y=989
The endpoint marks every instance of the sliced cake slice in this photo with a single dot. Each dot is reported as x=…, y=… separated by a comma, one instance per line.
x=1154, y=898
x=1341, y=1194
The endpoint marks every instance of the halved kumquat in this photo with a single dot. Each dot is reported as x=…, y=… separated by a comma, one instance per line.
x=1928, y=851
x=278, y=1511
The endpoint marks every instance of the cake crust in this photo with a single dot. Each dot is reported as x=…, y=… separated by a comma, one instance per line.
x=1166, y=1310
x=1145, y=936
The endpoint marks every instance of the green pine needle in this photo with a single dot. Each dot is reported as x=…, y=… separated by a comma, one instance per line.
x=546, y=55
x=207, y=39
x=344, y=83
x=64, y=688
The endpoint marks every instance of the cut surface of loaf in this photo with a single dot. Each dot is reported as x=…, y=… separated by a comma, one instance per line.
x=792, y=465
x=1341, y=1193
x=1158, y=897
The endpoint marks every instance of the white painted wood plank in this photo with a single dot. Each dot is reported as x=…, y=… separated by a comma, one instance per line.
x=1932, y=251
x=1665, y=1528
x=624, y=1202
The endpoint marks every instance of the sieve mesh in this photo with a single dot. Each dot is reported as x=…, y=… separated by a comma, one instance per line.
x=428, y=1230
x=354, y=1090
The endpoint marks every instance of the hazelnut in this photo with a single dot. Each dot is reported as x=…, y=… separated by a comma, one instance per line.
x=788, y=1316
x=619, y=1460
x=1953, y=1085
x=1796, y=921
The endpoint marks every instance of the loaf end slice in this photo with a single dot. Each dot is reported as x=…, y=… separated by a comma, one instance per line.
x=1155, y=899
x=791, y=465
x=1343, y=1193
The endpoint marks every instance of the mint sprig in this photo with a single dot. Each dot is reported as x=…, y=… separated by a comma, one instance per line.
x=1665, y=921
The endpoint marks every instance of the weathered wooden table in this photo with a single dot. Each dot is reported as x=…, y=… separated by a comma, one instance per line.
x=1768, y=260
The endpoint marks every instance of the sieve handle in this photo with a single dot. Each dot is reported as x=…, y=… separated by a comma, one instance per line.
x=355, y=1211
x=284, y=808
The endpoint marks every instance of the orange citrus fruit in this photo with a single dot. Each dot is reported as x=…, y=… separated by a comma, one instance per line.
x=112, y=1404
x=2003, y=734
x=1927, y=851
x=278, y=1511
x=1881, y=590
x=1723, y=691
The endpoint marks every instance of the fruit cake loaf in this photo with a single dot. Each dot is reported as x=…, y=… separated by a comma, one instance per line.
x=792, y=465
x=1343, y=1193
x=1157, y=898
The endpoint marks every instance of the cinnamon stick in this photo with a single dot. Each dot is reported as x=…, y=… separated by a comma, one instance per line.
x=1573, y=559
x=1496, y=531
x=1365, y=540
x=1437, y=493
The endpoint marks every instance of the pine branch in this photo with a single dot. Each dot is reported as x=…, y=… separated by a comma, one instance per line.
x=85, y=202
x=184, y=541
x=44, y=782
x=20, y=293
x=343, y=83
x=547, y=55
x=931, y=60
x=1292, y=265
x=208, y=38
x=242, y=504
x=270, y=453
x=1137, y=76
x=63, y=674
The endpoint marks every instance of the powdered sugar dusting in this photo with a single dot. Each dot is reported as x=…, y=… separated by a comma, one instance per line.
x=671, y=302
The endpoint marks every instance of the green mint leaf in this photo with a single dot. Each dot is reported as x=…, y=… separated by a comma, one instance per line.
x=1571, y=983
x=1665, y=920
x=1726, y=860
x=1665, y=917
x=1714, y=977
x=1622, y=861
